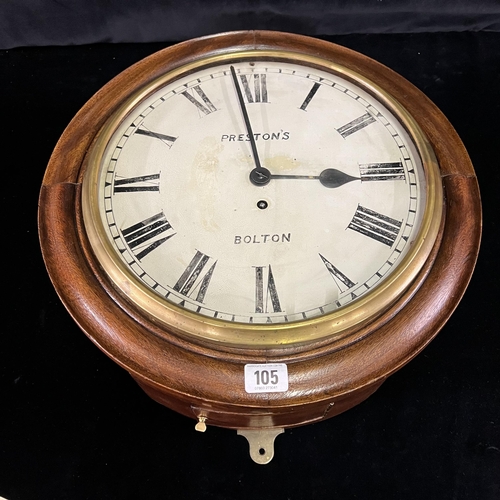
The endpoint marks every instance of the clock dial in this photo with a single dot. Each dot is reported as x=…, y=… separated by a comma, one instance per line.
x=260, y=191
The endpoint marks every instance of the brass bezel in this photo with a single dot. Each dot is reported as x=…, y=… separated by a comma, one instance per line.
x=200, y=328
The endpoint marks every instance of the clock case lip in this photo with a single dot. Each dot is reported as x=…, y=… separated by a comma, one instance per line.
x=186, y=376
x=338, y=325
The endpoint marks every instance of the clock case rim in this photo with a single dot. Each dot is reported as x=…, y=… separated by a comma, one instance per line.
x=187, y=376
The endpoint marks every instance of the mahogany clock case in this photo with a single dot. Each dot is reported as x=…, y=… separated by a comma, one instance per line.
x=176, y=364
x=72, y=422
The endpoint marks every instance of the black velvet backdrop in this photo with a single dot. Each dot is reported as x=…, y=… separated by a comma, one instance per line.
x=63, y=22
x=73, y=425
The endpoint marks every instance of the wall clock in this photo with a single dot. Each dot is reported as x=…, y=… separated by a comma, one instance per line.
x=260, y=227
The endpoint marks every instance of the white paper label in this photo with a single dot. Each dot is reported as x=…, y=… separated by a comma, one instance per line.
x=266, y=377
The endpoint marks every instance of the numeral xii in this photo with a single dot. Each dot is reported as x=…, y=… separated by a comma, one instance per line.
x=259, y=87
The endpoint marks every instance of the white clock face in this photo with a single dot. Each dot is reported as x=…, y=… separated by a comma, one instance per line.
x=322, y=212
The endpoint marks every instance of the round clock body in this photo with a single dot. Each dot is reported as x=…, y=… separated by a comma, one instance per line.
x=260, y=227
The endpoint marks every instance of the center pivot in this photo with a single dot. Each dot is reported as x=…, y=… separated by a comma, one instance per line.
x=260, y=176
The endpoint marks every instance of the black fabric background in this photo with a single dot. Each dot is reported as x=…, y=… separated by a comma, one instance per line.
x=73, y=425
x=64, y=22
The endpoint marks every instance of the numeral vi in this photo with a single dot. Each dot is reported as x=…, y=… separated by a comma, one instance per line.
x=271, y=297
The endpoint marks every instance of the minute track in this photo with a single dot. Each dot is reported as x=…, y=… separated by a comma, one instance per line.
x=198, y=162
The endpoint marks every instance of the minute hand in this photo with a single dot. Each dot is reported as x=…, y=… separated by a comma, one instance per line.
x=246, y=120
x=330, y=178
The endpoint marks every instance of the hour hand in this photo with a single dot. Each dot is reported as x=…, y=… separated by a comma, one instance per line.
x=330, y=177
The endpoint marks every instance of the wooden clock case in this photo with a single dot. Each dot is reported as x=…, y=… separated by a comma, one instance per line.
x=205, y=380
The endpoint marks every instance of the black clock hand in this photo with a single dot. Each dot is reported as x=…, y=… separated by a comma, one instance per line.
x=248, y=126
x=261, y=176
x=330, y=178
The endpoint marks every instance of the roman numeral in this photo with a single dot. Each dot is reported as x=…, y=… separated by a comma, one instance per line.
x=311, y=94
x=341, y=280
x=143, y=236
x=137, y=184
x=382, y=172
x=261, y=302
x=259, y=87
x=357, y=124
x=193, y=280
x=206, y=106
x=167, y=139
x=374, y=225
